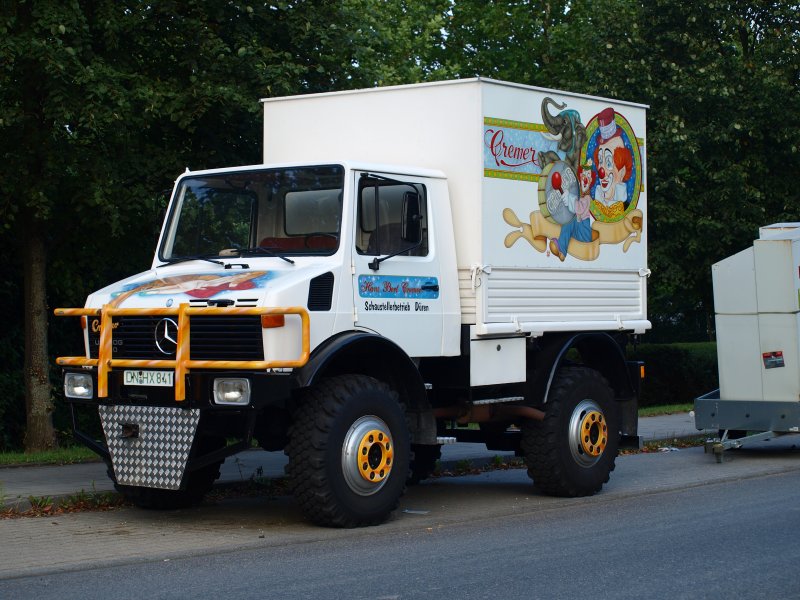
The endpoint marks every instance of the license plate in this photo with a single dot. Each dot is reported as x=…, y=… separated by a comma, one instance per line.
x=150, y=378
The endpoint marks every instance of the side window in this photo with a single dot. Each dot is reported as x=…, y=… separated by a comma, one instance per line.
x=392, y=218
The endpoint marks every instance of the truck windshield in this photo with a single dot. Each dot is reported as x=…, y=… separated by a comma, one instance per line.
x=265, y=212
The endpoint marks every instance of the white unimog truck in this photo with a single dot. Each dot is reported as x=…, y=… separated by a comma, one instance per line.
x=411, y=266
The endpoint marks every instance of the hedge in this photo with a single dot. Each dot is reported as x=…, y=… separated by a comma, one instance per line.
x=676, y=373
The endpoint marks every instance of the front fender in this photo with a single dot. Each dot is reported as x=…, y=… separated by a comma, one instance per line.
x=358, y=352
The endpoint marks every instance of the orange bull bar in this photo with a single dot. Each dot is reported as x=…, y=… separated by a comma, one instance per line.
x=183, y=362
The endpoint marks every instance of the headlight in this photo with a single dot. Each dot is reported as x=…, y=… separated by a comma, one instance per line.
x=232, y=391
x=78, y=385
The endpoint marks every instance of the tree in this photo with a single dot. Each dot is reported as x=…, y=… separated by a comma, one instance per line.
x=102, y=103
x=505, y=39
x=399, y=41
x=723, y=155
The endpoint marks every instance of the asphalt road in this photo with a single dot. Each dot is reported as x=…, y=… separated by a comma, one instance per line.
x=672, y=525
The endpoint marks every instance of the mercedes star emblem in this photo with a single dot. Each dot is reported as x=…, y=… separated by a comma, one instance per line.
x=167, y=336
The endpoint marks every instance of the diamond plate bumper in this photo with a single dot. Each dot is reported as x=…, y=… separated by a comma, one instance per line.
x=158, y=456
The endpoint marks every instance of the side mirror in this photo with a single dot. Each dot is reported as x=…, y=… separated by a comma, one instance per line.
x=411, y=230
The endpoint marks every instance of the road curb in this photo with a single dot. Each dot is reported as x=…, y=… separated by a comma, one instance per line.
x=447, y=466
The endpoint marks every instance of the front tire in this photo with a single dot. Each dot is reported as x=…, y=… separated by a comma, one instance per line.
x=573, y=450
x=348, y=452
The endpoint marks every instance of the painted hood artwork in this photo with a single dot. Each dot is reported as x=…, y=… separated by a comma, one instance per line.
x=589, y=179
x=174, y=289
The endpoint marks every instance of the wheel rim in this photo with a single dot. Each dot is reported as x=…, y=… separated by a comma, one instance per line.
x=588, y=433
x=367, y=455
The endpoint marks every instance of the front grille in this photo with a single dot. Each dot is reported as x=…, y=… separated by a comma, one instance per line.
x=212, y=338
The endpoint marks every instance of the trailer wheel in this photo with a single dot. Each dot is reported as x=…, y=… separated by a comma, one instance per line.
x=424, y=462
x=198, y=485
x=348, y=452
x=573, y=450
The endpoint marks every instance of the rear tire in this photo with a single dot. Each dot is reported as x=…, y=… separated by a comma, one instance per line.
x=573, y=450
x=348, y=452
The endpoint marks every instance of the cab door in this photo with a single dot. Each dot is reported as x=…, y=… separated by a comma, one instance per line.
x=396, y=271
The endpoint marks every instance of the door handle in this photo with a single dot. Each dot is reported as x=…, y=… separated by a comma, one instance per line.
x=430, y=287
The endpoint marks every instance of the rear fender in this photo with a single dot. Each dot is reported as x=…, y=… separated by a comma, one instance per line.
x=602, y=353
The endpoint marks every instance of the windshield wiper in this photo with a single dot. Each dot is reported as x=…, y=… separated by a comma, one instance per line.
x=264, y=250
x=180, y=259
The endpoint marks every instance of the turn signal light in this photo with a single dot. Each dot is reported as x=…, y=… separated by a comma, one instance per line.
x=272, y=321
x=641, y=371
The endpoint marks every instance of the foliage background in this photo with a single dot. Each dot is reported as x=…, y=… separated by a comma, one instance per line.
x=676, y=373
x=104, y=102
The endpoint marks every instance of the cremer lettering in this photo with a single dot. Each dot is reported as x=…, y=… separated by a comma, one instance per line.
x=96, y=325
x=408, y=290
x=508, y=155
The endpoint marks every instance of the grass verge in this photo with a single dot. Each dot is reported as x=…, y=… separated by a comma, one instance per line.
x=45, y=506
x=60, y=456
x=669, y=409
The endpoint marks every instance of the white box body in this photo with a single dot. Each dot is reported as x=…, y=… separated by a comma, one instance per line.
x=487, y=138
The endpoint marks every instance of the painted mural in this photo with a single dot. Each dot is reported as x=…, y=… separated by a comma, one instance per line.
x=193, y=285
x=589, y=178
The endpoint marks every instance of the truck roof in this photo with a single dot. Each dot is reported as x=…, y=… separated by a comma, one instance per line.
x=455, y=82
x=348, y=164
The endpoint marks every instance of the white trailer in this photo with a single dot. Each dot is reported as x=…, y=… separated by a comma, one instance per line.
x=411, y=266
x=757, y=305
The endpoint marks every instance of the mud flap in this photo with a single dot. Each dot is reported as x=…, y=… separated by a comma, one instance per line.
x=149, y=445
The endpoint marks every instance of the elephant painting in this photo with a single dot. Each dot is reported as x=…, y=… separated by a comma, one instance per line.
x=565, y=128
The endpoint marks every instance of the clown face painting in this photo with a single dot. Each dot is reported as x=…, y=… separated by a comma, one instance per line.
x=613, y=162
x=589, y=189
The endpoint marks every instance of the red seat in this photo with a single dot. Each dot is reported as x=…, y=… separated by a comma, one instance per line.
x=314, y=242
